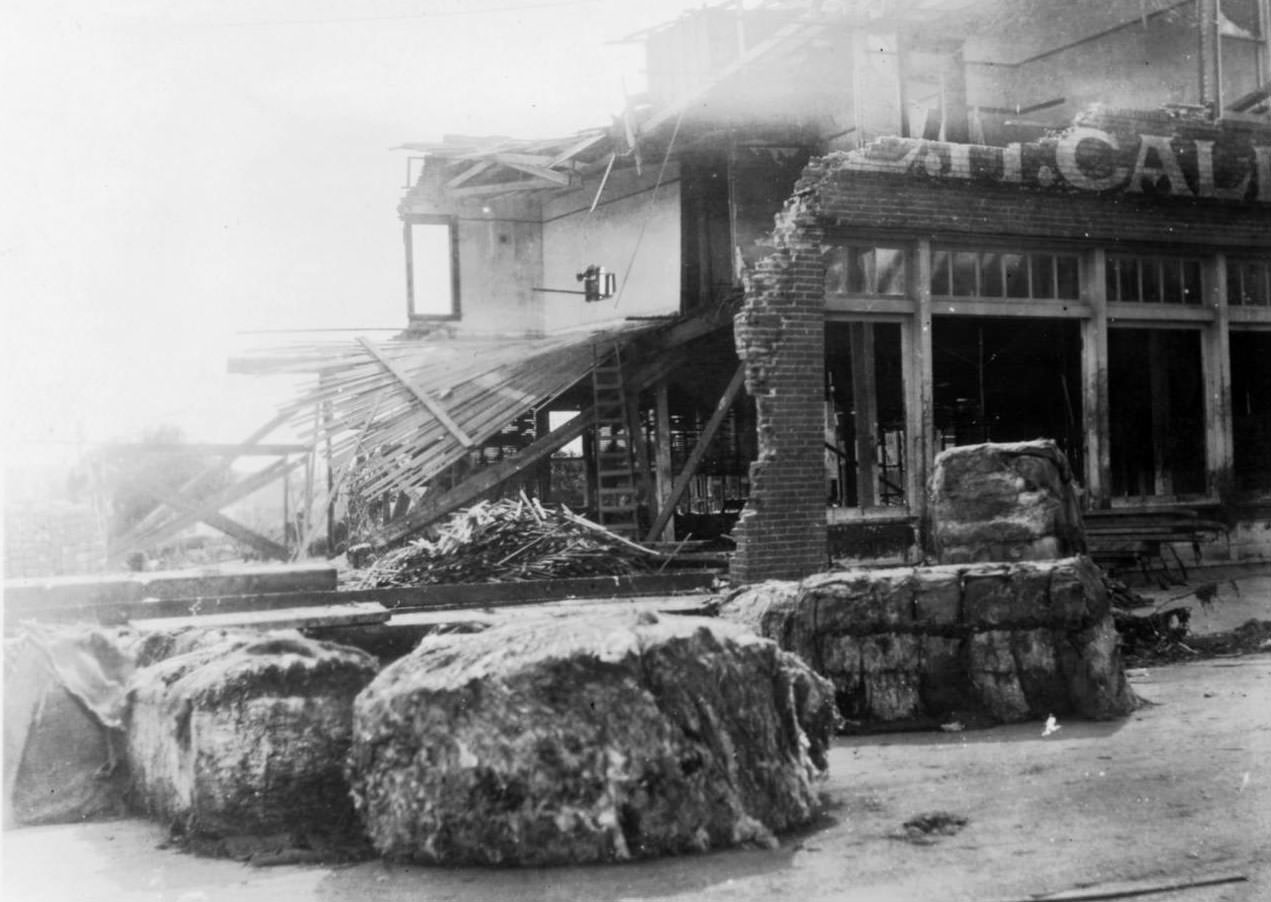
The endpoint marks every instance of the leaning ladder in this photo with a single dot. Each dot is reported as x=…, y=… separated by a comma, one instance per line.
x=614, y=452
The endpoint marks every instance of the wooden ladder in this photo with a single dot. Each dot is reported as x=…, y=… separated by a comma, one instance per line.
x=614, y=452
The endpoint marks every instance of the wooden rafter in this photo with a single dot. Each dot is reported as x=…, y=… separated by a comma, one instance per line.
x=187, y=518
x=469, y=173
x=419, y=395
x=210, y=516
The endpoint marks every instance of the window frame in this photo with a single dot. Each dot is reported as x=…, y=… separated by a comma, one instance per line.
x=452, y=224
x=1009, y=286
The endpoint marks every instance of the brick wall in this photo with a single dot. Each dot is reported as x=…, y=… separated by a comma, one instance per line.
x=780, y=334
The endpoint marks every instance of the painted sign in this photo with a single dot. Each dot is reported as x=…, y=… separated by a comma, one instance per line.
x=1087, y=159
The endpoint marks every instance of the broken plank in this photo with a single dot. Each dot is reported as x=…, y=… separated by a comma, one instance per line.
x=1129, y=888
x=354, y=614
x=483, y=595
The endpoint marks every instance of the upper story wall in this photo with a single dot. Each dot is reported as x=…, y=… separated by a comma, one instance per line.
x=500, y=259
x=1142, y=64
x=634, y=232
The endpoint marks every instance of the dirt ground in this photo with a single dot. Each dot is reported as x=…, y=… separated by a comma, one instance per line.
x=1181, y=789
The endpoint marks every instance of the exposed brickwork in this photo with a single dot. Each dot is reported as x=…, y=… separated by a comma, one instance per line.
x=897, y=185
x=780, y=336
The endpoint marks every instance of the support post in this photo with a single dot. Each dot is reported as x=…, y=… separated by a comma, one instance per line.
x=662, y=458
x=1094, y=380
x=919, y=406
x=865, y=401
x=1216, y=364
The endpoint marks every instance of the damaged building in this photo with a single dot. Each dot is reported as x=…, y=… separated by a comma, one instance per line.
x=833, y=240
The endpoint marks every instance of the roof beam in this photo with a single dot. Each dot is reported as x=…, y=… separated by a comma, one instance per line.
x=469, y=173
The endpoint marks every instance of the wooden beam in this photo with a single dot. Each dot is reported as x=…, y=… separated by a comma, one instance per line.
x=419, y=394
x=536, y=160
x=1216, y=367
x=664, y=474
x=1094, y=379
x=865, y=402
x=119, y=449
x=574, y=149
x=698, y=452
x=490, y=478
x=209, y=515
x=503, y=188
x=560, y=178
x=211, y=473
x=469, y=173
x=185, y=519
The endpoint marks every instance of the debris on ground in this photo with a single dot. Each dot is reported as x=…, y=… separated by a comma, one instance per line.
x=925, y=829
x=511, y=539
x=1158, y=635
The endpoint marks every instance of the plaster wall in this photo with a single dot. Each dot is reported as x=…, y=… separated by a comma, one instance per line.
x=634, y=232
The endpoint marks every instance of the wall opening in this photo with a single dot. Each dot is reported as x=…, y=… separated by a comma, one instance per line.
x=1251, y=409
x=1156, y=409
x=432, y=283
x=865, y=415
x=1008, y=380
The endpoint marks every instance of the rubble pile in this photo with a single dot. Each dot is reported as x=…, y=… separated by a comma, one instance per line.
x=514, y=539
x=583, y=739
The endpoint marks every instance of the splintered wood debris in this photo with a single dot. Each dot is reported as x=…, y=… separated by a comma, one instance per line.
x=511, y=539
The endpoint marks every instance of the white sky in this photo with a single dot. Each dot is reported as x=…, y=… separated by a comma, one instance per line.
x=177, y=172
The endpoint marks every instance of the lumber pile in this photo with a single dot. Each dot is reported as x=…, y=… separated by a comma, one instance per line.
x=511, y=539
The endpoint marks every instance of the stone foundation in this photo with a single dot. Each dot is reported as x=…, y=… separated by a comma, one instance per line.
x=982, y=643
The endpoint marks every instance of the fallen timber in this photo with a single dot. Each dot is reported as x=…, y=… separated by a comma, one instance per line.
x=397, y=599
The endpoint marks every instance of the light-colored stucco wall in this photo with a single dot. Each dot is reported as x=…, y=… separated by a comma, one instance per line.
x=634, y=232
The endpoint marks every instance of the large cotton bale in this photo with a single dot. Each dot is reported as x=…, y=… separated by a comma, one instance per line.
x=241, y=738
x=593, y=738
x=990, y=642
x=1004, y=502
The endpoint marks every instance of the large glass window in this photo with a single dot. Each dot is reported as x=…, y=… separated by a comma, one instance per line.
x=432, y=282
x=1251, y=409
x=990, y=274
x=1241, y=32
x=1153, y=279
x=1156, y=412
x=859, y=270
x=1007, y=380
x=1249, y=283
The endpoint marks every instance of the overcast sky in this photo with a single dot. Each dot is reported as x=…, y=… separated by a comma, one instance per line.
x=177, y=172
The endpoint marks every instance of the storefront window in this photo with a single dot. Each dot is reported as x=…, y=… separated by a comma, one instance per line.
x=1156, y=412
x=1249, y=283
x=1007, y=380
x=1251, y=409
x=988, y=274
x=870, y=271
x=1153, y=279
